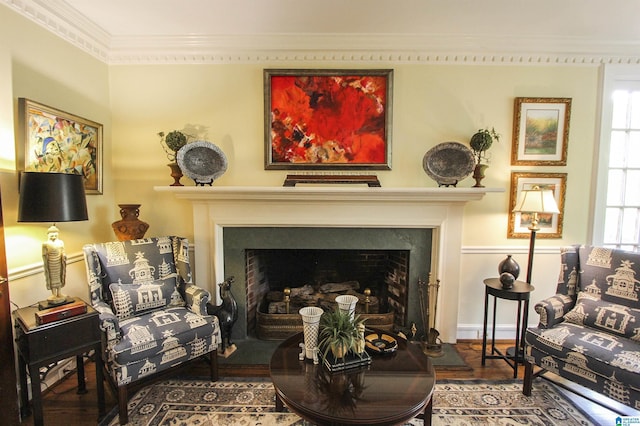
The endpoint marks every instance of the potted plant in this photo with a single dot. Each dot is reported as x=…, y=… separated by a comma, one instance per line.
x=340, y=333
x=480, y=143
x=171, y=143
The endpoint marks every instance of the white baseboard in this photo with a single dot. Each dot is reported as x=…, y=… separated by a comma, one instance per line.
x=475, y=331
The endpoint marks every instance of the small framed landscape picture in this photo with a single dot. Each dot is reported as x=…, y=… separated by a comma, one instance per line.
x=56, y=141
x=540, y=131
x=550, y=223
x=327, y=119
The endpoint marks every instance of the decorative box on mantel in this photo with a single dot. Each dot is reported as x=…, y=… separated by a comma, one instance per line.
x=440, y=209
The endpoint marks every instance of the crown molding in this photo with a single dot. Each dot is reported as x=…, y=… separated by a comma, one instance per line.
x=64, y=21
x=356, y=48
x=59, y=18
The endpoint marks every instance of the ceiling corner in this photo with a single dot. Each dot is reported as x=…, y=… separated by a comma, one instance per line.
x=67, y=23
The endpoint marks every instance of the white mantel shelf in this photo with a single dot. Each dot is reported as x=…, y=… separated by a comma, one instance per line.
x=319, y=193
x=439, y=209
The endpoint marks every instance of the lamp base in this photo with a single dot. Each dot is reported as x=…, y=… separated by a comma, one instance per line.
x=46, y=304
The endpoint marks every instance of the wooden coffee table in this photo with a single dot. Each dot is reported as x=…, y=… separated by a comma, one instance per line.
x=392, y=389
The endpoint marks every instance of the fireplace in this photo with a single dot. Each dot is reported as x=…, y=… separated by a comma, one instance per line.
x=388, y=261
x=218, y=208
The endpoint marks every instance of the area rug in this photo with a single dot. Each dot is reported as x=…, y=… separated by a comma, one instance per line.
x=251, y=402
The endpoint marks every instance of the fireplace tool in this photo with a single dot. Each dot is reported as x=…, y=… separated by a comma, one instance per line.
x=431, y=345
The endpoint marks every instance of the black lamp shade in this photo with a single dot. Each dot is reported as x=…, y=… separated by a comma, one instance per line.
x=51, y=197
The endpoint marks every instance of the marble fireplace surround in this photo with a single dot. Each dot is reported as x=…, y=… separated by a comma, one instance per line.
x=440, y=209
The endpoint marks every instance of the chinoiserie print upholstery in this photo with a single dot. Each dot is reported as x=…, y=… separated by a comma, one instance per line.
x=589, y=332
x=152, y=316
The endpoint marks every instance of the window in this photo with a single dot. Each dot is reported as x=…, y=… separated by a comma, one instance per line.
x=617, y=202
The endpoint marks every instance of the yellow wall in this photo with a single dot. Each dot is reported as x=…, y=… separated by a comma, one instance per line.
x=431, y=104
x=37, y=65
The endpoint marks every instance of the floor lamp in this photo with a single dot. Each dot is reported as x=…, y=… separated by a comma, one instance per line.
x=534, y=201
x=52, y=197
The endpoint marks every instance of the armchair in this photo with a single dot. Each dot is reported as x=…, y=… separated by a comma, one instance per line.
x=589, y=331
x=152, y=316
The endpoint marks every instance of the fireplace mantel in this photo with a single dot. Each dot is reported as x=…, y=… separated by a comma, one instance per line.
x=441, y=209
x=328, y=193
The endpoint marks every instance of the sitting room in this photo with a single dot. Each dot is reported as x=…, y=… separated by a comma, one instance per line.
x=195, y=193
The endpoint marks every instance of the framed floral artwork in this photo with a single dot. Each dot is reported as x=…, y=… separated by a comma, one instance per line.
x=550, y=223
x=540, y=131
x=56, y=141
x=328, y=119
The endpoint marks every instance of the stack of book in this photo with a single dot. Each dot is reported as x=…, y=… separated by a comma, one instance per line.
x=68, y=310
x=349, y=361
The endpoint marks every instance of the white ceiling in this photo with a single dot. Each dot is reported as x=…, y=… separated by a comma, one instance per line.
x=609, y=19
x=117, y=28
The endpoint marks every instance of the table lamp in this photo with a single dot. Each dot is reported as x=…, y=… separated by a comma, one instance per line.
x=52, y=197
x=534, y=201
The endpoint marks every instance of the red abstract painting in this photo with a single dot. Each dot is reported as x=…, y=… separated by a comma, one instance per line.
x=328, y=120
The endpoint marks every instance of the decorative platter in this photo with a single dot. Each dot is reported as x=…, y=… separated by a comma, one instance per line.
x=448, y=163
x=202, y=161
x=380, y=343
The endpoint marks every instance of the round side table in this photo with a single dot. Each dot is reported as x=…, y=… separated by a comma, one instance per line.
x=520, y=292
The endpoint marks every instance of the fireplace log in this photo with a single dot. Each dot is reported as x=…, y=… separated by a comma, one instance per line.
x=305, y=290
x=306, y=295
x=325, y=301
x=301, y=293
x=339, y=287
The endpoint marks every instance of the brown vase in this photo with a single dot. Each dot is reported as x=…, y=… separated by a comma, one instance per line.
x=129, y=227
x=478, y=175
x=176, y=174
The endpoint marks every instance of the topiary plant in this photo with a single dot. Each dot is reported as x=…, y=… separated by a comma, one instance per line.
x=172, y=142
x=481, y=141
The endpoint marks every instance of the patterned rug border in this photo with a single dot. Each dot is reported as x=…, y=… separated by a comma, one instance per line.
x=446, y=405
x=539, y=385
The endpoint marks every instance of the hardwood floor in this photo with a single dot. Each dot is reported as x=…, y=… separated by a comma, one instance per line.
x=62, y=406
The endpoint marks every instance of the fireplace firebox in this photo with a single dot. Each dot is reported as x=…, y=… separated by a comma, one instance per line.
x=266, y=260
x=282, y=281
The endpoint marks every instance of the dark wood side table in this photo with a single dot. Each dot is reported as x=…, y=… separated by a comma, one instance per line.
x=391, y=390
x=520, y=293
x=41, y=345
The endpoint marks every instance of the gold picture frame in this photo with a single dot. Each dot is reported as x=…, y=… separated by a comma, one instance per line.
x=56, y=141
x=328, y=119
x=540, y=131
x=550, y=224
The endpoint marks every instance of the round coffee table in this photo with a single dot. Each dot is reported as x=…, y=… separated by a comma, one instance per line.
x=392, y=389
